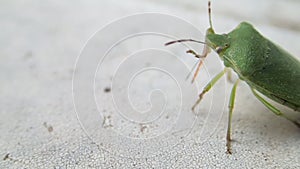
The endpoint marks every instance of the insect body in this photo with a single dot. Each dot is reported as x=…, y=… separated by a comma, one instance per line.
x=264, y=66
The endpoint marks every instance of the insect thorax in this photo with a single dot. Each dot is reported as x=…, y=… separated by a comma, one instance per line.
x=247, y=51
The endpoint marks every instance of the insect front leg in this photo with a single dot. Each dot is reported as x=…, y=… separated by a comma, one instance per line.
x=208, y=87
x=272, y=108
x=205, y=52
x=230, y=106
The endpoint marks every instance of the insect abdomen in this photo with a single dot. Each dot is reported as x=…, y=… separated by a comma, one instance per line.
x=279, y=77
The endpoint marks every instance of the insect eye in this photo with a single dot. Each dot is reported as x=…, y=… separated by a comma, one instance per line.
x=219, y=49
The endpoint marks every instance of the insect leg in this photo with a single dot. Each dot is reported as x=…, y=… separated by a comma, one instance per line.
x=196, y=65
x=199, y=64
x=272, y=108
x=230, y=106
x=229, y=76
x=208, y=87
x=205, y=52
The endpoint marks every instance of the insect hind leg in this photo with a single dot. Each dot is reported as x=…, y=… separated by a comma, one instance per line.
x=230, y=106
x=273, y=109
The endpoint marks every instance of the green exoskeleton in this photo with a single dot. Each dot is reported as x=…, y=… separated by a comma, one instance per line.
x=267, y=68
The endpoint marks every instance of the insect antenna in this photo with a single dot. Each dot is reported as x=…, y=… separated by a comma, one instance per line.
x=205, y=51
x=209, y=14
x=206, y=48
x=183, y=40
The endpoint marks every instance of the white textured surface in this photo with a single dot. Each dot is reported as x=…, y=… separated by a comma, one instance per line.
x=39, y=43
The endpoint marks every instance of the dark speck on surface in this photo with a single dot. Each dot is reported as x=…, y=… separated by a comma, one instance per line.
x=6, y=157
x=49, y=127
x=107, y=89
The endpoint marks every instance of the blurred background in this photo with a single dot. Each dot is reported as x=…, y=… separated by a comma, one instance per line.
x=40, y=43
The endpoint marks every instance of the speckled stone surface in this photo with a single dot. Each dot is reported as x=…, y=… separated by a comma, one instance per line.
x=40, y=43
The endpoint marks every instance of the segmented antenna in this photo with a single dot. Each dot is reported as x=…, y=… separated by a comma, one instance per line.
x=183, y=40
x=209, y=14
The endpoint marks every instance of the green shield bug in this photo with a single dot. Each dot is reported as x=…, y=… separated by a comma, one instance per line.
x=268, y=69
